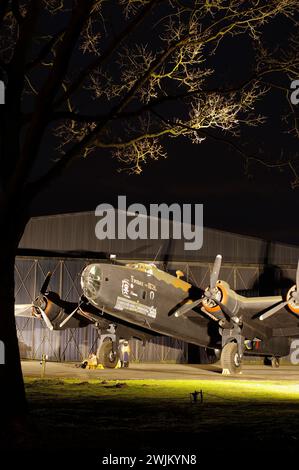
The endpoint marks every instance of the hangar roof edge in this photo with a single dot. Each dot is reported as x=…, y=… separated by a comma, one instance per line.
x=63, y=233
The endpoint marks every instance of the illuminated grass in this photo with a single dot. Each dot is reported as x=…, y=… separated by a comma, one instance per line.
x=71, y=412
x=213, y=390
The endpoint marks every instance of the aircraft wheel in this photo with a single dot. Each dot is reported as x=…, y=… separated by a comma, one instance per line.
x=107, y=357
x=230, y=359
x=275, y=362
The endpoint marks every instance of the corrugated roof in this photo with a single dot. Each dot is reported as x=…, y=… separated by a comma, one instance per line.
x=75, y=232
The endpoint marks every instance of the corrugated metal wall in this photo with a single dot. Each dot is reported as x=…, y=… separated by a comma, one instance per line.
x=76, y=344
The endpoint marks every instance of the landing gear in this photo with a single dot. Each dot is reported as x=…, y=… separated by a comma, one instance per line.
x=232, y=350
x=231, y=359
x=108, y=354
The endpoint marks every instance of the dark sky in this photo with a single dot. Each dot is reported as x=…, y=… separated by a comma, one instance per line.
x=261, y=204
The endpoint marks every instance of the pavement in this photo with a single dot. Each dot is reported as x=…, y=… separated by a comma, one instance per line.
x=148, y=371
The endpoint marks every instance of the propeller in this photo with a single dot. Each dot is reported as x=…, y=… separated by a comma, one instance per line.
x=36, y=303
x=46, y=283
x=186, y=307
x=69, y=316
x=215, y=272
x=209, y=314
x=273, y=310
x=209, y=293
x=45, y=318
x=227, y=312
x=293, y=295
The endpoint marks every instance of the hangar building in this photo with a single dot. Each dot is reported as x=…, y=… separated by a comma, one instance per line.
x=66, y=243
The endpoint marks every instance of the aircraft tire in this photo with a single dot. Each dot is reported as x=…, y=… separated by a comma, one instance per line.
x=107, y=357
x=230, y=359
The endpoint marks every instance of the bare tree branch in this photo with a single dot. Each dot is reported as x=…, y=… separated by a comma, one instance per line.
x=247, y=157
x=130, y=81
x=110, y=49
x=15, y=83
x=48, y=91
x=3, y=9
x=45, y=50
x=15, y=7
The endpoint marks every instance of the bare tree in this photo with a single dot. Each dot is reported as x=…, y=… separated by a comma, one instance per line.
x=87, y=75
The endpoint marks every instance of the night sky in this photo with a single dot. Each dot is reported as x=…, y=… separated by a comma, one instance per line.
x=263, y=206
x=259, y=202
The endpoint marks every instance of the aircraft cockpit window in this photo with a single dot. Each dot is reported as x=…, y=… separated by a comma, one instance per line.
x=147, y=268
x=132, y=266
x=91, y=281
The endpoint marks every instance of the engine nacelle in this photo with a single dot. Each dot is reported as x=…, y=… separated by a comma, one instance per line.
x=57, y=310
x=292, y=304
x=223, y=294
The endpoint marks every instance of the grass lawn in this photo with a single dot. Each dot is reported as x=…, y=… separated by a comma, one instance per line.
x=157, y=414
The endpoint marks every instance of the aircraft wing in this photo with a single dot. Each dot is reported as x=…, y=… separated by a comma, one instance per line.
x=283, y=323
x=23, y=310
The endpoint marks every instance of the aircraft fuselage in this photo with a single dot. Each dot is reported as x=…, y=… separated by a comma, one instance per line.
x=144, y=296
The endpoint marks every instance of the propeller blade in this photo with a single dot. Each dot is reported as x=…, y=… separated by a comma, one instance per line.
x=223, y=307
x=208, y=314
x=185, y=308
x=68, y=317
x=215, y=272
x=23, y=310
x=228, y=314
x=273, y=310
x=45, y=318
x=46, y=282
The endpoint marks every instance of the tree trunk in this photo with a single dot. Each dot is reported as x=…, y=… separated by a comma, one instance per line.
x=13, y=407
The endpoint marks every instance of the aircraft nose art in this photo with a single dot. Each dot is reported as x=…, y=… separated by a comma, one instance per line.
x=91, y=280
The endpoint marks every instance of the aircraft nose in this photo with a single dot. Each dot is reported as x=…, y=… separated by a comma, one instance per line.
x=91, y=279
